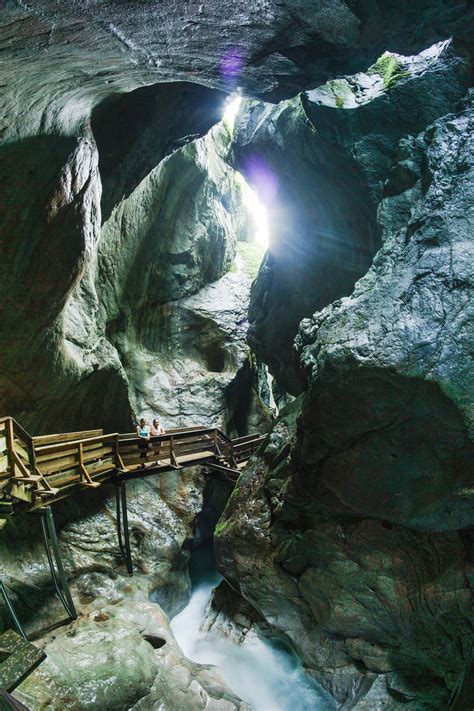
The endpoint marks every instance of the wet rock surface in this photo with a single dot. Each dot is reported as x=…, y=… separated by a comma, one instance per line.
x=123, y=657
x=146, y=308
x=286, y=47
x=351, y=532
x=104, y=316
x=161, y=512
x=323, y=193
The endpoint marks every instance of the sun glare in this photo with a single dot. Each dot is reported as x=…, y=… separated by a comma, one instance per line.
x=258, y=213
x=231, y=107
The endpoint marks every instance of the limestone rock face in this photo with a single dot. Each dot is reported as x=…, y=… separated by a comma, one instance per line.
x=91, y=49
x=123, y=658
x=106, y=316
x=396, y=352
x=397, y=96
x=351, y=531
x=321, y=223
x=320, y=162
x=57, y=219
x=146, y=308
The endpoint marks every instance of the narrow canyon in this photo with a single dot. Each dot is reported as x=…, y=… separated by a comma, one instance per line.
x=253, y=222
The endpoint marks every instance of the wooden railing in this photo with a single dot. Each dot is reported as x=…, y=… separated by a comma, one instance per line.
x=37, y=470
x=19, y=474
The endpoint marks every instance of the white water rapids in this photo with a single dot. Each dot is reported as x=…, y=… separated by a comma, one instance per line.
x=268, y=678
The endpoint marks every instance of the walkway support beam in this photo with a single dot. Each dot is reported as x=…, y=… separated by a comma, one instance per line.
x=123, y=532
x=12, y=611
x=55, y=561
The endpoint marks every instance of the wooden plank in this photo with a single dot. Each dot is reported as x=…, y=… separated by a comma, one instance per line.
x=4, y=463
x=20, y=659
x=193, y=449
x=41, y=440
x=21, y=451
x=19, y=491
x=247, y=438
x=224, y=472
x=126, y=449
x=85, y=476
x=69, y=490
x=64, y=446
x=72, y=476
x=57, y=465
x=41, y=461
x=194, y=457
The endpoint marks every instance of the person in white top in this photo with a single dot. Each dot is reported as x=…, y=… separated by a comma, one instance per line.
x=143, y=434
x=155, y=430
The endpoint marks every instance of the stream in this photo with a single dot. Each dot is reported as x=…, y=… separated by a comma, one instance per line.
x=266, y=676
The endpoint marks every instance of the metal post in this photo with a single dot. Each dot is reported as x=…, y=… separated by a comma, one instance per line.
x=122, y=525
x=56, y=565
x=11, y=610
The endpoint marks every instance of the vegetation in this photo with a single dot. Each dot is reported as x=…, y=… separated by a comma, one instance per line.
x=251, y=255
x=339, y=102
x=220, y=528
x=388, y=67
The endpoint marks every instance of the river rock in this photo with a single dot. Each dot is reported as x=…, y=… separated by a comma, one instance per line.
x=122, y=657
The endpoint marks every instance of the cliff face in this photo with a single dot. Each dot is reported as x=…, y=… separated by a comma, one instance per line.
x=108, y=251
x=99, y=130
x=351, y=531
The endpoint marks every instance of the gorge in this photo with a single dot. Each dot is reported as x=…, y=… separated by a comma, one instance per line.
x=254, y=217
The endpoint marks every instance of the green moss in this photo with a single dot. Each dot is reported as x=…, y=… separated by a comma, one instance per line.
x=388, y=68
x=220, y=528
x=252, y=255
x=339, y=102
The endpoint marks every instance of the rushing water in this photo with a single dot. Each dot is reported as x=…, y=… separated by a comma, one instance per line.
x=264, y=675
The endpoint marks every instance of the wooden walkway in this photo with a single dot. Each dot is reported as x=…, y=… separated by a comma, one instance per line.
x=37, y=471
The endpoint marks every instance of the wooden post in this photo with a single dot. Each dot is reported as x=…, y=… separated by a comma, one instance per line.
x=118, y=459
x=9, y=436
x=173, y=459
x=216, y=445
x=85, y=476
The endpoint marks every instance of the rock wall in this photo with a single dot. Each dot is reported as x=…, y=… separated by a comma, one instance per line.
x=320, y=163
x=352, y=531
x=322, y=224
x=113, y=289
x=120, y=653
x=137, y=215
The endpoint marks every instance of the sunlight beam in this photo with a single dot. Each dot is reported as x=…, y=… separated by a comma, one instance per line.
x=231, y=107
x=258, y=214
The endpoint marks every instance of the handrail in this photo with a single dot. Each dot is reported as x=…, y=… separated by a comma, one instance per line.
x=177, y=435
x=171, y=431
x=59, y=446
x=89, y=460
x=16, y=425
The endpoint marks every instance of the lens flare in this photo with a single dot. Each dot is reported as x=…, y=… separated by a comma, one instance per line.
x=258, y=214
x=230, y=112
x=262, y=178
x=231, y=64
